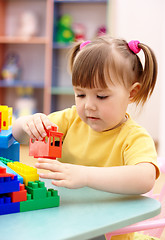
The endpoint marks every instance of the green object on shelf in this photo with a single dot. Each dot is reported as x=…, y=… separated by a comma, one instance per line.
x=38, y=197
x=64, y=30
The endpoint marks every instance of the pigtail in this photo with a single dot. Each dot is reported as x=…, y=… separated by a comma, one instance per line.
x=73, y=53
x=149, y=75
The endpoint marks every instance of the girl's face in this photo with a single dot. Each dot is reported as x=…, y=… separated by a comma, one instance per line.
x=102, y=109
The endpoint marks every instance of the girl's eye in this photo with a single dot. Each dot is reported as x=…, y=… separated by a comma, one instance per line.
x=102, y=97
x=80, y=95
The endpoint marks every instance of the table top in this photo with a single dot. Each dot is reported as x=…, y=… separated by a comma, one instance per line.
x=83, y=214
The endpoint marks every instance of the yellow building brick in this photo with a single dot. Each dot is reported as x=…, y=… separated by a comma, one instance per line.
x=28, y=173
x=6, y=117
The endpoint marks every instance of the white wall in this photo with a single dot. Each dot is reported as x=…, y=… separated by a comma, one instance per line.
x=144, y=21
x=162, y=86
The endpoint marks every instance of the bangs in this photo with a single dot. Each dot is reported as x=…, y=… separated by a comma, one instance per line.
x=89, y=68
x=99, y=64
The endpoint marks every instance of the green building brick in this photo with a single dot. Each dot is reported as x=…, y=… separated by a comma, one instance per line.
x=37, y=189
x=5, y=160
x=37, y=199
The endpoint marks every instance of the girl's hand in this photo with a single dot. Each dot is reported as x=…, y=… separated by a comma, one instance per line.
x=36, y=125
x=63, y=174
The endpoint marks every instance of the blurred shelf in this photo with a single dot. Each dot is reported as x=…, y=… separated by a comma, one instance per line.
x=23, y=40
x=80, y=1
x=35, y=52
x=62, y=91
x=82, y=11
x=61, y=45
x=19, y=83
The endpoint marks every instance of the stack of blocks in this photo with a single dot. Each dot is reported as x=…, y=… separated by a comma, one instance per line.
x=20, y=188
x=15, y=197
x=9, y=147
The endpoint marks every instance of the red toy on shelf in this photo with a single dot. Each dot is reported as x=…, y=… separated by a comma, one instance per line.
x=49, y=147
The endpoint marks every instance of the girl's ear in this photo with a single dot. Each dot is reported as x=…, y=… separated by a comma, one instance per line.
x=134, y=89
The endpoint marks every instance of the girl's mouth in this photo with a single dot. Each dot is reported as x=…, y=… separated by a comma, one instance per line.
x=93, y=118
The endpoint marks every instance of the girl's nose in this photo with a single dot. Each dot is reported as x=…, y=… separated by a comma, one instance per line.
x=90, y=105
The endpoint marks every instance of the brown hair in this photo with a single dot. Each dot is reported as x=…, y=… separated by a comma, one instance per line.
x=107, y=59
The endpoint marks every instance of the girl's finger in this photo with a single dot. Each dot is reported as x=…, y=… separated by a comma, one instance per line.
x=50, y=175
x=48, y=166
x=39, y=126
x=46, y=122
x=48, y=160
x=29, y=132
x=34, y=131
x=61, y=183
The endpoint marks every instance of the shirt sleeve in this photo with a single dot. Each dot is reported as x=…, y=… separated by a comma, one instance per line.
x=140, y=147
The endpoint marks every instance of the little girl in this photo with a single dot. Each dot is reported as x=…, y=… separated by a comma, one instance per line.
x=103, y=147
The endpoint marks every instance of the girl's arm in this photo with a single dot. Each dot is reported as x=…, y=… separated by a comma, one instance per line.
x=132, y=179
x=18, y=131
x=32, y=126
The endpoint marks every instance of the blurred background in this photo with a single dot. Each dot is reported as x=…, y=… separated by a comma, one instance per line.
x=35, y=38
x=144, y=21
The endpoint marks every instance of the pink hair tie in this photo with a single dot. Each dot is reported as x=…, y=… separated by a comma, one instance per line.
x=84, y=44
x=133, y=46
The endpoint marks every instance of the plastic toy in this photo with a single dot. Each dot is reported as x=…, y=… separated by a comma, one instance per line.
x=0, y=121
x=12, y=152
x=9, y=147
x=6, y=139
x=64, y=30
x=79, y=31
x=39, y=198
x=28, y=173
x=20, y=195
x=6, y=117
x=37, y=189
x=6, y=205
x=28, y=24
x=11, y=70
x=8, y=182
x=101, y=31
x=3, y=163
x=14, y=196
x=49, y=147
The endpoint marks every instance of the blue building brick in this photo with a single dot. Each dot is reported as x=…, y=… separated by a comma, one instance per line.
x=9, y=184
x=6, y=206
x=12, y=152
x=6, y=138
x=9, y=170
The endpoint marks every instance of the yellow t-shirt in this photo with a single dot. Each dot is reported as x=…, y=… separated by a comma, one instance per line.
x=128, y=144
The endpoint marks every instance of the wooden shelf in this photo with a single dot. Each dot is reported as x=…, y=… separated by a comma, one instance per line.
x=57, y=45
x=19, y=83
x=23, y=40
x=35, y=52
x=80, y=1
x=39, y=55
